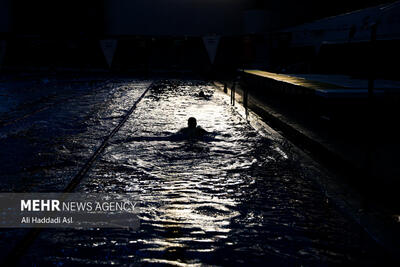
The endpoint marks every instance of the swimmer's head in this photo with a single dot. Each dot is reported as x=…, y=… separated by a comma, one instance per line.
x=192, y=123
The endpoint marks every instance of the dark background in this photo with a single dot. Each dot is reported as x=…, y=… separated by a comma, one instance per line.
x=87, y=16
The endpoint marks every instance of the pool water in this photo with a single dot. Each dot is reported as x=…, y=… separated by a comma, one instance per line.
x=237, y=196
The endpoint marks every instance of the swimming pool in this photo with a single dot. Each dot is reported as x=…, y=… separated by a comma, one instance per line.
x=240, y=196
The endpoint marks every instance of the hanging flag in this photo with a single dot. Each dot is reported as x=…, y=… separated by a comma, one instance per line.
x=109, y=46
x=3, y=45
x=211, y=43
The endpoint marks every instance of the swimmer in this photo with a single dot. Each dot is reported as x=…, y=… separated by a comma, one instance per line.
x=203, y=95
x=193, y=131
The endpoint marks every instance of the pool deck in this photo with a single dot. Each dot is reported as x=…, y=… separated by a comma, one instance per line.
x=329, y=86
x=340, y=121
x=299, y=81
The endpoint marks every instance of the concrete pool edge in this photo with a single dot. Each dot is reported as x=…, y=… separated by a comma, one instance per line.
x=374, y=220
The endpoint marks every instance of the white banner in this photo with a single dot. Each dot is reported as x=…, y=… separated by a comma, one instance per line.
x=211, y=43
x=109, y=47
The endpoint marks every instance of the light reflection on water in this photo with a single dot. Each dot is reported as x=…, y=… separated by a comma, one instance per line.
x=233, y=197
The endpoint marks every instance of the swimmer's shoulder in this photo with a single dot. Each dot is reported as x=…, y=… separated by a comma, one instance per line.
x=200, y=130
x=186, y=131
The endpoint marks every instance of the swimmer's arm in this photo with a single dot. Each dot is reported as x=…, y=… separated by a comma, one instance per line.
x=182, y=131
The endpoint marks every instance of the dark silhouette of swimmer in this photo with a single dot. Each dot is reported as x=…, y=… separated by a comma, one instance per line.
x=193, y=131
x=204, y=95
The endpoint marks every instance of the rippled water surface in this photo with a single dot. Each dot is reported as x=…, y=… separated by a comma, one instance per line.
x=233, y=197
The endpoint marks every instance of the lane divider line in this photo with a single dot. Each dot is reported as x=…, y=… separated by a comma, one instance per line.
x=23, y=245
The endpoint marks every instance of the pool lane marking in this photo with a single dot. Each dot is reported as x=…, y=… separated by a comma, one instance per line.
x=108, y=82
x=79, y=176
x=12, y=259
x=96, y=88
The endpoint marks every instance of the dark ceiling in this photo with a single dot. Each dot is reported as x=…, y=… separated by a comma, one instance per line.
x=86, y=16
